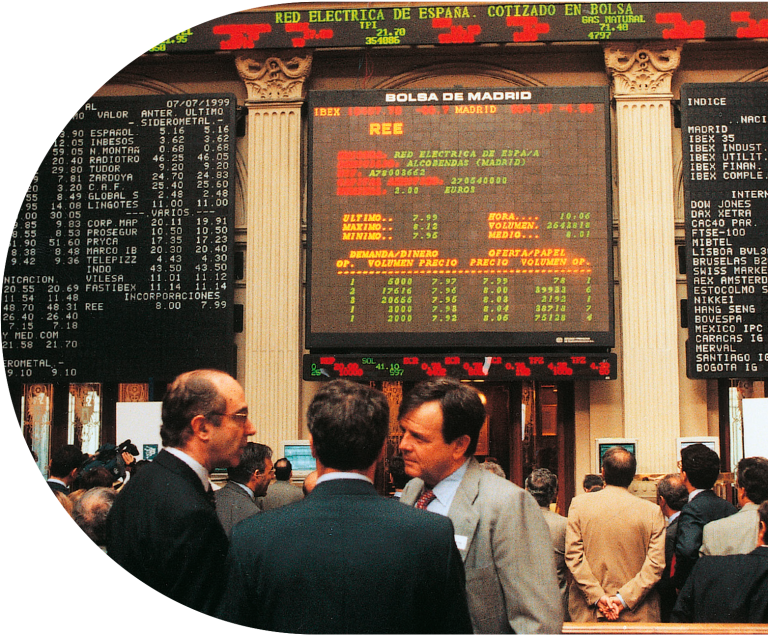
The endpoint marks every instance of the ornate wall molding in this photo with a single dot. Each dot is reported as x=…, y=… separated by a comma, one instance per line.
x=642, y=70
x=270, y=79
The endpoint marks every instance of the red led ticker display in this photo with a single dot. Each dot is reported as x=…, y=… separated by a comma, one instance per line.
x=413, y=24
x=493, y=367
x=477, y=219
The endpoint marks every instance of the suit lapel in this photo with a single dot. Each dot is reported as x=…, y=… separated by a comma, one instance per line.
x=463, y=513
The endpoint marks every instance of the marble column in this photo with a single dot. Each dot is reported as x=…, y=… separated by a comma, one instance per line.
x=642, y=76
x=273, y=346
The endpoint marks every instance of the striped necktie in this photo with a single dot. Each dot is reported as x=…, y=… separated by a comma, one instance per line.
x=425, y=499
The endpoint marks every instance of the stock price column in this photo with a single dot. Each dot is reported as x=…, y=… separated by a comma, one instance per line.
x=725, y=145
x=119, y=264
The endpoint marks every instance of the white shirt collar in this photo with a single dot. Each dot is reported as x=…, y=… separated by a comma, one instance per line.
x=672, y=517
x=694, y=494
x=445, y=490
x=335, y=476
x=202, y=473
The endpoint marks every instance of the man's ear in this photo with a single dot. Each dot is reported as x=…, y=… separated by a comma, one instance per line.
x=201, y=427
x=761, y=533
x=460, y=445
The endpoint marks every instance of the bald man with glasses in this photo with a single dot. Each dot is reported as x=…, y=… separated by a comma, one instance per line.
x=163, y=527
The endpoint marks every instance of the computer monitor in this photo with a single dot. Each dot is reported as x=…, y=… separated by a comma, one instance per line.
x=603, y=445
x=713, y=443
x=299, y=453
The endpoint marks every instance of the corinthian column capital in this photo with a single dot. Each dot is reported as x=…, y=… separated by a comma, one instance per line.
x=270, y=79
x=642, y=70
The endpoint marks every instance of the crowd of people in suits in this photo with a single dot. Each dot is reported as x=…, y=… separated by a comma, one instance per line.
x=459, y=549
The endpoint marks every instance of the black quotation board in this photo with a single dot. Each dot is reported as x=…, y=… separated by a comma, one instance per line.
x=120, y=263
x=472, y=219
x=725, y=156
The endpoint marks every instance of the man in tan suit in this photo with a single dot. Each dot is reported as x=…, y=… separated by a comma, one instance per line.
x=614, y=547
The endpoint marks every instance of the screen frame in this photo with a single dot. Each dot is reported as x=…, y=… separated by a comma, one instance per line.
x=603, y=444
x=713, y=443
x=297, y=473
x=317, y=340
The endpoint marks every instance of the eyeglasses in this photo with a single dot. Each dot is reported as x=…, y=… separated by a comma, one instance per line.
x=243, y=416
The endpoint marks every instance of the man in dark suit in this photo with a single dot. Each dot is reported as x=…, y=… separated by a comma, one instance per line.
x=236, y=501
x=163, y=526
x=672, y=496
x=344, y=559
x=728, y=589
x=700, y=467
x=502, y=537
x=64, y=467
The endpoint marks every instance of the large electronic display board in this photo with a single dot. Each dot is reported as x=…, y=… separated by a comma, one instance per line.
x=120, y=263
x=476, y=219
x=725, y=159
x=380, y=24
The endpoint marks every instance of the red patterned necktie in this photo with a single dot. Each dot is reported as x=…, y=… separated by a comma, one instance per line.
x=425, y=499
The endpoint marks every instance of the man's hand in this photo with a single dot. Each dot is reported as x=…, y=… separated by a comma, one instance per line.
x=610, y=607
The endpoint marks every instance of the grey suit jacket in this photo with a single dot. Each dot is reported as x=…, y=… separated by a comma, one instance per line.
x=557, y=525
x=732, y=534
x=281, y=493
x=233, y=505
x=507, y=553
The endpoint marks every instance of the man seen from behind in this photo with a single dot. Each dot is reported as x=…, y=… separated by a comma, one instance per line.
x=345, y=559
x=614, y=547
x=729, y=589
x=699, y=467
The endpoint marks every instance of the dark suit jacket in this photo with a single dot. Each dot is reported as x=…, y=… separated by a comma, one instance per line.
x=346, y=560
x=728, y=589
x=666, y=586
x=704, y=508
x=163, y=529
x=233, y=504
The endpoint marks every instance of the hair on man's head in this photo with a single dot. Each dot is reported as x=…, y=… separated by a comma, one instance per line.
x=190, y=394
x=542, y=485
x=619, y=466
x=701, y=465
x=752, y=475
x=253, y=458
x=673, y=490
x=349, y=423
